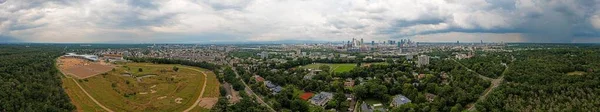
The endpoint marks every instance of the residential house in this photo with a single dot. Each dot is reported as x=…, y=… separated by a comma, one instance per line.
x=258, y=78
x=274, y=88
x=430, y=97
x=364, y=107
x=421, y=76
x=321, y=99
x=399, y=100
x=349, y=83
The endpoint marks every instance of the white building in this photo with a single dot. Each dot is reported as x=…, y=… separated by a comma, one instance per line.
x=423, y=60
x=263, y=55
x=85, y=56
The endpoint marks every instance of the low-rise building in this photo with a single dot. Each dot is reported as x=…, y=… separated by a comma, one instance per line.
x=430, y=97
x=321, y=99
x=423, y=60
x=258, y=78
x=364, y=107
x=399, y=100
x=349, y=83
x=274, y=88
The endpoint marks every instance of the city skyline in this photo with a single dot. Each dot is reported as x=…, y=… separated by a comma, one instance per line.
x=232, y=21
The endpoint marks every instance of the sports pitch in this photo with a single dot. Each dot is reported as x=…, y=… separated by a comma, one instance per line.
x=338, y=68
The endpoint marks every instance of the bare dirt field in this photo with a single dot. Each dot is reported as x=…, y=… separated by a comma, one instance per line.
x=80, y=68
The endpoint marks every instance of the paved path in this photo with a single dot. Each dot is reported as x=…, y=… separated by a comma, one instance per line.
x=249, y=90
x=201, y=93
x=90, y=96
x=495, y=83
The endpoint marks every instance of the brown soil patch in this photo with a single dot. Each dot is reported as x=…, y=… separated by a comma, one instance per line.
x=81, y=68
x=208, y=103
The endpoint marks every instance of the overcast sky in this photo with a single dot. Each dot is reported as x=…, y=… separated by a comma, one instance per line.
x=202, y=21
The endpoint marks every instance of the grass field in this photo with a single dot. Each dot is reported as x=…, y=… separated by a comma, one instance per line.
x=160, y=88
x=338, y=68
x=78, y=98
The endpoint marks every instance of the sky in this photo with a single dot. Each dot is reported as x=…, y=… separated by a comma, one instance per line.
x=208, y=21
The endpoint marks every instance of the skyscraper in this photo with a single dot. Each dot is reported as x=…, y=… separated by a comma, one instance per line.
x=372, y=43
x=361, y=41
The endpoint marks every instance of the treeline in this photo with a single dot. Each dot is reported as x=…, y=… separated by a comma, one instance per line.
x=341, y=60
x=246, y=104
x=306, y=61
x=230, y=77
x=29, y=80
x=202, y=64
x=549, y=80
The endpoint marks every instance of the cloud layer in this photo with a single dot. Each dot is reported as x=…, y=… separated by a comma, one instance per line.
x=202, y=21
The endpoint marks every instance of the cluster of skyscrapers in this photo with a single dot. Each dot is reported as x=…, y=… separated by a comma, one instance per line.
x=355, y=43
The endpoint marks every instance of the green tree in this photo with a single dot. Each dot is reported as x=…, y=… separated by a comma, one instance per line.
x=175, y=68
x=325, y=68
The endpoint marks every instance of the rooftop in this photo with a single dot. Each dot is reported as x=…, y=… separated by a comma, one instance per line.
x=400, y=99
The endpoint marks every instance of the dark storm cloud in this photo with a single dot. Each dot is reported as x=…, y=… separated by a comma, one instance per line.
x=547, y=21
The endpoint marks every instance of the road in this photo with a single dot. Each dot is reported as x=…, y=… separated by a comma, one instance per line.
x=249, y=90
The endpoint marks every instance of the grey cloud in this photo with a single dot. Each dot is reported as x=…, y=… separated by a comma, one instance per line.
x=8, y=39
x=148, y=4
x=227, y=4
x=541, y=21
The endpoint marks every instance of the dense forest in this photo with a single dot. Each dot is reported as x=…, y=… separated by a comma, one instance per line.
x=549, y=80
x=29, y=80
x=488, y=64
